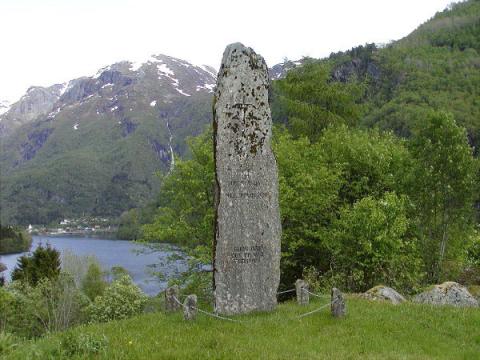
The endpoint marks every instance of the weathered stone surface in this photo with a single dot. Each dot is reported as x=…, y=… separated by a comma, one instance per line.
x=303, y=296
x=247, y=225
x=172, y=294
x=385, y=293
x=190, y=307
x=448, y=293
x=338, y=306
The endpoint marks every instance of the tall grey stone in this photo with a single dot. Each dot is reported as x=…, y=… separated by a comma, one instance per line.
x=338, y=307
x=247, y=217
x=301, y=288
x=172, y=295
x=190, y=307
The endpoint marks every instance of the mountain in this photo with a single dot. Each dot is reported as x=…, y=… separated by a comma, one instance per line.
x=36, y=102
x=94, y=144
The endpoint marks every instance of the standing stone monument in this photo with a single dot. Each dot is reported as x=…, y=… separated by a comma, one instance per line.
x=247, y=217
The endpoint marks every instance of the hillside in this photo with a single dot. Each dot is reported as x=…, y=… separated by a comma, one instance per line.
x=93, y=145
x=435, y=67
x=370, y=330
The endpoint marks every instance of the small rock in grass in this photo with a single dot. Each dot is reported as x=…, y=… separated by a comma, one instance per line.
x=448, y=293
x=385, y=293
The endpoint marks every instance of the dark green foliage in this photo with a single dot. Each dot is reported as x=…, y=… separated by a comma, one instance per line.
x=44, y=263
x=14, y=240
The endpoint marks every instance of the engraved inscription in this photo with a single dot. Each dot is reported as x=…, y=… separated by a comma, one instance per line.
x=243, y=185
x=247, y=254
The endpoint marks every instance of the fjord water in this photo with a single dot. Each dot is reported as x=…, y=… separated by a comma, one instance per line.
x=139, y=260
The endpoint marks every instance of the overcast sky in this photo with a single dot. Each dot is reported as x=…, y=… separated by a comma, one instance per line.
x=44, y=42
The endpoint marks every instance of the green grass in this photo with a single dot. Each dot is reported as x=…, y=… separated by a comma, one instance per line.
x=370, y=330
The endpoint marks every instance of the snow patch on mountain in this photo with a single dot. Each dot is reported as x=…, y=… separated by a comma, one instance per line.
x=209, y=87
x=164, y=69
x=181, y=92
x=4, y=106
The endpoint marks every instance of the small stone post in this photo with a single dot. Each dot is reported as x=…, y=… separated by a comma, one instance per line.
x=172, y=295
x=190, y=307
x=338, y=304
x=303, y=297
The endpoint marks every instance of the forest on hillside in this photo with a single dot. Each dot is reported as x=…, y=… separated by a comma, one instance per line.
x=377, y=155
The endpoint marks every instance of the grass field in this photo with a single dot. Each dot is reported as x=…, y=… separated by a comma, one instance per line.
x=370, y=331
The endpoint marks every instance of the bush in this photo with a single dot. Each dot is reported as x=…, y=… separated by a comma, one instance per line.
x=52, y=305
x=43, y=263
x=121, y=299
x=61, y=303
x=20, y=304
x=82, y=344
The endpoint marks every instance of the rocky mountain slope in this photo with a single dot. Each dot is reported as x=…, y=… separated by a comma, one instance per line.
x=93, y=145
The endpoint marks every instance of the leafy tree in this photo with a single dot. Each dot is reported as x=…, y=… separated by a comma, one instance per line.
x=442, y=186
x=309, y=192
x=129, y=226
x=43, y=263
x=371, y=246
x=93, y=284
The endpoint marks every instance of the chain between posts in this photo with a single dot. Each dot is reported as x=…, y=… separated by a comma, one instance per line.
x=281, y=292
x=318, y=296
x=208, y=313
x=314, y=311
x=285, y=291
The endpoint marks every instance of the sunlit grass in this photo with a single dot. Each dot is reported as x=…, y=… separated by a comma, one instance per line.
x=370, y=330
